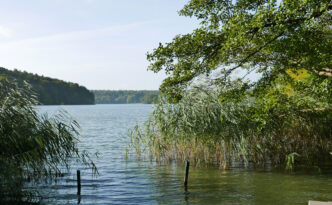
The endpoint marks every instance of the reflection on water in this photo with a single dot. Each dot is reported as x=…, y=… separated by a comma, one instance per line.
x=121, y=181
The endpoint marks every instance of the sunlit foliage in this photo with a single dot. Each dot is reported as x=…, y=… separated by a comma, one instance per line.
x=217, y=125
x=282, y=118
x=263, y=36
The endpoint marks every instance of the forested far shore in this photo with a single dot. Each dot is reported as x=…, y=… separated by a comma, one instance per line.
x=125, y=96
x=51, y=91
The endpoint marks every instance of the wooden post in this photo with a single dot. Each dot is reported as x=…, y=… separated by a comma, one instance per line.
x=78, y=182
x=186, y=174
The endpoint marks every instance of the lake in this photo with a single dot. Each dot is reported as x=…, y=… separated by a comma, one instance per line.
x=128, y=181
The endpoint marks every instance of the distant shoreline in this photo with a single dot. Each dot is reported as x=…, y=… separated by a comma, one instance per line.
x=125, y=96
x=50, y=91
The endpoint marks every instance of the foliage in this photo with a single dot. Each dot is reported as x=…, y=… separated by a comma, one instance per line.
x=32, y=146
x=125, y=96
x=263, y=36
x=213, y=125
x=283, y=118
x=51, y=91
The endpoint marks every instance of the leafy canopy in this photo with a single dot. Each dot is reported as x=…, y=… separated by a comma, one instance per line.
x=264, y=36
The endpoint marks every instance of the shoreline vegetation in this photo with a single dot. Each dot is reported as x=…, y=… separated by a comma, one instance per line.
x=211, y=112
x=34, y=147
x=208, y=110
x=126, y=96
x=50, y=91
x=208, y=127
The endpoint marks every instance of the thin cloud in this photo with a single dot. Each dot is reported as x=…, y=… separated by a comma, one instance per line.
x=80, y=35
x=5, y=32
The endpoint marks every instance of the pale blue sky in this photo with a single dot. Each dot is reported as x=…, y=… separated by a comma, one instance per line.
x=100, y=44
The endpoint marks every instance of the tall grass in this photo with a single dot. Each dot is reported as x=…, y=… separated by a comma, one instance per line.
x=209, y=126
x=32, y=146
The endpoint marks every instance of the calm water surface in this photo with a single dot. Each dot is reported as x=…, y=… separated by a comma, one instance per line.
x=127, y=181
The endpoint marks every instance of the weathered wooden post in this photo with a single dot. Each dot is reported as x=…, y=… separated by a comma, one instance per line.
x=186, y=174
x=331, y=154
x=78, y=182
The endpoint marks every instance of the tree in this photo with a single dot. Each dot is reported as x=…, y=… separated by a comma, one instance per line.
x=264, y=36
x=284, y=118
x=32, y=146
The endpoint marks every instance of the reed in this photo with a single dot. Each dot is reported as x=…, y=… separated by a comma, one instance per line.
x=33, y=147
x=210, y=127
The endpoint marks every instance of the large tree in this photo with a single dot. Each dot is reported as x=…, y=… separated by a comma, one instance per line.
x=265, y=36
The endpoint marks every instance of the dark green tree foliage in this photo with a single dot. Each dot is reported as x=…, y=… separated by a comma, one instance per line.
x=125, y=96
x=51, y=91
x=264, y=36
x=32, y=146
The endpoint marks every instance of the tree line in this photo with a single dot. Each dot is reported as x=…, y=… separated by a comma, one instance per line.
x=51, y=91
x=125, y=96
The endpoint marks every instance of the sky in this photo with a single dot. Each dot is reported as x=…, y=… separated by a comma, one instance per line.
x=100, y=44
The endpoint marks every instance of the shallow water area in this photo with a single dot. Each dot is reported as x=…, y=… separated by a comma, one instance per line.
x=128, y=181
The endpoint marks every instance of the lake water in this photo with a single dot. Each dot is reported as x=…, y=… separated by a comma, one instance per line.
x=128, y=181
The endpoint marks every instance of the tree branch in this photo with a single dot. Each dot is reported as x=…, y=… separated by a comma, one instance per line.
x=252, y=54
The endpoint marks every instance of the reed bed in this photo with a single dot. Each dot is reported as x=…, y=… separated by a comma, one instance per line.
x=33, y=147
x=208, y=130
